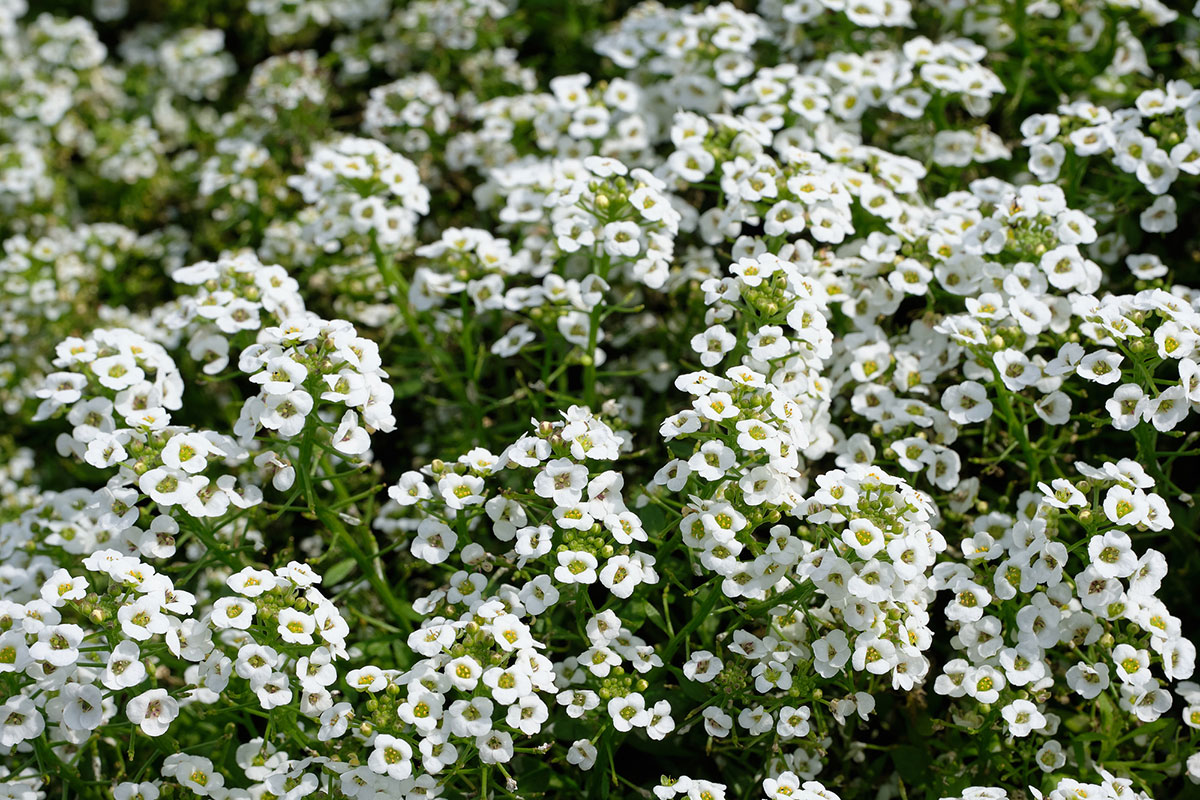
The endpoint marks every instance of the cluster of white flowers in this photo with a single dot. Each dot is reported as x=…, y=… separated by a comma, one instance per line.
x=687, y=58
x=1101, y=620
x=566, y=529
x=54, y=280
x=1157, y=141
x=359, y=189
x=415, y=29
x=286, y=83
x=799, y=24
x=407, y=114
x=286, y=19
x=802, y=389
x=233, y=296
x=140, y=613
x=23, y=175
x=54, y=64
x=195, y=62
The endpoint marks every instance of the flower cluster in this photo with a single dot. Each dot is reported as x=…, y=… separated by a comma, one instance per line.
x=358, y=189
x=502, y=398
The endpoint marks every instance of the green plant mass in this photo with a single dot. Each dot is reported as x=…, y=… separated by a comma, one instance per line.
x=599, y=399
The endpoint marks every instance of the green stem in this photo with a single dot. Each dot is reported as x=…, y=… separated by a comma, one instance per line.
x=367, y=565
x=399, y=288
x=589, y=360
x=1016, y=428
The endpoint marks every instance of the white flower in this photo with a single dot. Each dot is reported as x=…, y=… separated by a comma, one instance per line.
x=143, y=618
x=124, y=668
x=434, y=542
x=713, y=344
x=967, y=403
x=712, y=460
x=621, y=239
x=1088, y=681
x=1016, y=370
x=470, y=717
x=755, y=435
x=1167, y=410
x=1133, y=665
x=561, y=481
x=984, y=684
x=117, y=372
x=621, y=575
x=350, y=438
x=575, y=567
x=969, y=601
x=1022, y=717
x=368, y=679
x=423, y=710
x=702, y=666
x=302, y=575
x=1061, y=493
x=1112, y=554
x=1050, y=757
x=233, y=612
x=61, y=588
x=170, y=486
x=460, y=491
x=437, y=752
x=410, y=489
x=495, y=747
x=761, y=485
x=251, y=582
x=295, y=626
x=1125, y=507
x=864, y=537
x=1102, y=367
x=20, y=720
x=391, y=756
x=510, y=633
x=717, y=723
x=629, y=712
x=1045, y=160
x=153, y=711
x=513, y=341
x=187, y=451
x=582, y=754
x=1127, y=406
x=286, y=413
x=528, y=714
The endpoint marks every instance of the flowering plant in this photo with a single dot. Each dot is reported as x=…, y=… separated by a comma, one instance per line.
x=514, y=399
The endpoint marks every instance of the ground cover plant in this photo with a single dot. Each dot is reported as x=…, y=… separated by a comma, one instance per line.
x=490, y=399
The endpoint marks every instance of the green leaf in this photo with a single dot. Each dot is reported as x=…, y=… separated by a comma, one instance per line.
x=654, y=616
x=912, y=763
x=339, y=571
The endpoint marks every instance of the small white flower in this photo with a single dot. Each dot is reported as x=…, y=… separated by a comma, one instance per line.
x=153, y=711
x=582, y=754
x=1022, y=717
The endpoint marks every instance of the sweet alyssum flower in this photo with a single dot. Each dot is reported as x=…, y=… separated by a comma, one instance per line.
x=521, y=417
